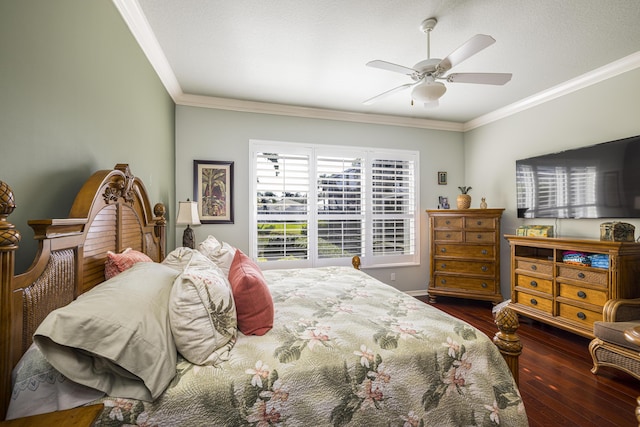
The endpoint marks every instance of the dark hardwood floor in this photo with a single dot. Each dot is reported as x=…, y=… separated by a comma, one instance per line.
x=556, y=383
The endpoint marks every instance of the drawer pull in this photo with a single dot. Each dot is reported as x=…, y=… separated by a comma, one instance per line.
x=581, y=275
x=533, y=301
x=484, y=252
x=581, y=294
x=443, y=281
x=581, y=315
x=479, y=223
x=448, y=236
x=447, y=222
x=443, y=250
x=534, y=267
x=484, y=268
x=534, y=284
x=443, y=266
x=479, y=236
x=484, y=285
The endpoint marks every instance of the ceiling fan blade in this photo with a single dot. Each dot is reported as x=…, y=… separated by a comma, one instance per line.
x=387, y=93
x=389, y=66
x=472, y=46
x=480, y=78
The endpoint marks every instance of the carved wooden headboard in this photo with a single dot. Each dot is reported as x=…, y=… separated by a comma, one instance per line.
x=111, y=212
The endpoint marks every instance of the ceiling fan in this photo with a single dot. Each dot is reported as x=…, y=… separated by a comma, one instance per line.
x=425, y=73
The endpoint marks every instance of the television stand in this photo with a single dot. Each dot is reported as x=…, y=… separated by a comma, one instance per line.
x=566, y=295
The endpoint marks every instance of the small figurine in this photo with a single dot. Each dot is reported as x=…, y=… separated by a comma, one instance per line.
x=483, y=203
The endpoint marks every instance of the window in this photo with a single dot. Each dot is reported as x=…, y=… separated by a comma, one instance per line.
x=321, y=205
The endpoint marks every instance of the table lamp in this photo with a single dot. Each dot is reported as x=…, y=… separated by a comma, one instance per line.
x=188, y=215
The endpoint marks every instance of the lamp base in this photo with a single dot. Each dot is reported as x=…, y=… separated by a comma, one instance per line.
x=189, y=238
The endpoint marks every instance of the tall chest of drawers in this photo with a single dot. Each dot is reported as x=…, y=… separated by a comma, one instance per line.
x=465, y=253
x=548, y=287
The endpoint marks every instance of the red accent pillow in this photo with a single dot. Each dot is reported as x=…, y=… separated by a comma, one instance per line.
x=117, y=263
x=254, y=305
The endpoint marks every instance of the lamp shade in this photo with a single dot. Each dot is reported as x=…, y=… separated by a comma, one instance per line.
x=188, y=213
x=428, y=91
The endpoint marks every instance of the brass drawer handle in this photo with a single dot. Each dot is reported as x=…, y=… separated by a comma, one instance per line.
x=581, y=294
x=447, y=222
x=534, y=267
x=533, y=301
x=443, y=266
x=479, y=236
x=484, y=268
x=484, y=285
x=581, y=275
x=443, y=281
x=581, y=315
x=534, y=284
x=443, y=250
x=479, y=222
x=448, y=235
x=484, y=252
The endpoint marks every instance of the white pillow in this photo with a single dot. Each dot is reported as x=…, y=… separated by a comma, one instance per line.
x=116, y=337
x=221, y=253
x=179, y=258
x=202, y=312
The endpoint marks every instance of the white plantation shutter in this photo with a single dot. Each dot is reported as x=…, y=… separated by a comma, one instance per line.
x=321, y=205
x=340, y=204
x=282, y=203
x=394, y=205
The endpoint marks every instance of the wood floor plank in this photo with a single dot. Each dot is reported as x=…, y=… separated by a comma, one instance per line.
x=556, y=383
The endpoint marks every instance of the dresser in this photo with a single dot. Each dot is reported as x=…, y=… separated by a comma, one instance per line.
x=568, y=295
x=465, y=253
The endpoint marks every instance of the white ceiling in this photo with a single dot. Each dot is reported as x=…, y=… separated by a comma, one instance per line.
x=312, y=53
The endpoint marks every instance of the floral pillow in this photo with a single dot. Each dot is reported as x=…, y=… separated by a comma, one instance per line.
x=117, y=263
x=202, y=312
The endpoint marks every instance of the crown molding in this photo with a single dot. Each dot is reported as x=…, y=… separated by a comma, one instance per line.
x=139, y=26
x=313, y=113
x=598, y=75
x=133, y=16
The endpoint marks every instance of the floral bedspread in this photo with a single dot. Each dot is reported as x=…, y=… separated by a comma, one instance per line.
x=345, y=349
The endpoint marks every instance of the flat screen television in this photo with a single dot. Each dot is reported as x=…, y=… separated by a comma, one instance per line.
x=598, y=181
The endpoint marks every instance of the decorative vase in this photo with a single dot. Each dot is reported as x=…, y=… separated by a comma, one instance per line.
x=463, y=201
x=483, y=203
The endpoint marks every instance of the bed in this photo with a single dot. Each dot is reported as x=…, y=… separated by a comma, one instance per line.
x=338, y=348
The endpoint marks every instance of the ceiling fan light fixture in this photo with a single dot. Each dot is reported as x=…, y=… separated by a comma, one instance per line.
x=427, y=92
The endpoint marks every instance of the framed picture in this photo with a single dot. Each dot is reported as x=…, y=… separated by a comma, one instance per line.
x=213, y=190
x=442, y=178
x=443, y=202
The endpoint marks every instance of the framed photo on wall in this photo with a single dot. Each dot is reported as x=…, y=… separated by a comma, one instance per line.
x=213, y=190
x=442, y=178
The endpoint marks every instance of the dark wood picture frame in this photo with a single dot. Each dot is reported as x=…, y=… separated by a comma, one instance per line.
x=213, y=190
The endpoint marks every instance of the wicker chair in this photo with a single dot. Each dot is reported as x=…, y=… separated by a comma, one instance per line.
x=609, y=347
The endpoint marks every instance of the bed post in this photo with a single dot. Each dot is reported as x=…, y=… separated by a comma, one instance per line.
x=9, y=238
x=506, y=339
x=160, y=228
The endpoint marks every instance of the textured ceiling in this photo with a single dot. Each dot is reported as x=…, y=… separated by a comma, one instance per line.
x=312, y=53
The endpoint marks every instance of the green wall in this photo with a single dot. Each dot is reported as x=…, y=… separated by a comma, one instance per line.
x=77, y=94
x=209, y=134
x=602, y=112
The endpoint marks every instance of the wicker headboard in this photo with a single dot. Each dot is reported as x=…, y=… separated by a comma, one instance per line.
x=111, y=212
